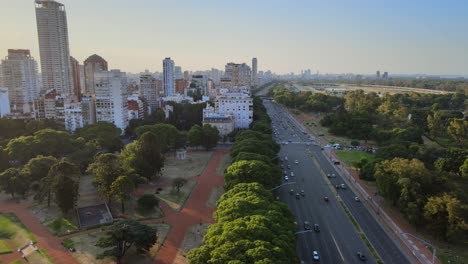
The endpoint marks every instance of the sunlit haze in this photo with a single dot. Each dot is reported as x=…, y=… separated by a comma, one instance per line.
x=408, y=37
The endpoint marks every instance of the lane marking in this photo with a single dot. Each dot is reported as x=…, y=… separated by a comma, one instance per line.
x=337, y=247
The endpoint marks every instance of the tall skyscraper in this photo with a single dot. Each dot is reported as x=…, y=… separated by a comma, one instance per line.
x=54, y=51
x=168, y=76
x=19, y=72
x=377, y=74
x=4, y=102
x=148, y=90
x=92, y=65
x=178, y=72
x=254, y=70
x=75, y=66
x=238, y=74
x=112, y=98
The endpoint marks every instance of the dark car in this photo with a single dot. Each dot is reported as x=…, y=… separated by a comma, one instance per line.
x=361, y=256
x=325, y=199
x=306, y=225
x=316, y=228
x=298, y=196
x=302, y=193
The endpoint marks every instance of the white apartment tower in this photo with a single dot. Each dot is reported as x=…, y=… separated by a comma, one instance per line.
x=111, y=98
x=19, y=71
x=148, y=90
x=54, y=51
x=254, y=70
x=168, y=77
x=178, y=72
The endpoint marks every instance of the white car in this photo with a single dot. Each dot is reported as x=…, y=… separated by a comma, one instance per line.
x=292, y=174
x=296, y=161
x=316, y=255
x=286, y=178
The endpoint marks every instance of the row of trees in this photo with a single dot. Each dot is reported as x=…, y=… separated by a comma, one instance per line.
x=252, y=227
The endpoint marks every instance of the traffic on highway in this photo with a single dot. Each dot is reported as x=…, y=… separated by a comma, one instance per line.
x=318, y=195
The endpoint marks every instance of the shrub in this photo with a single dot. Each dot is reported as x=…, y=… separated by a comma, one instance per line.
x=354, y=143
x=147, y=202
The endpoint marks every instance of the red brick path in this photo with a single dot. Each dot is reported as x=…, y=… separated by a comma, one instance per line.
x=45, y=240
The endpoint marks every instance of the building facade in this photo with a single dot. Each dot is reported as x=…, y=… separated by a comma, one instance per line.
x=4, y=102
x=224, y=123
x=237, y=104
x=75, y=67
x=168, y=77
x=93, y=64
x=254, y=70
x=73, y=117
x=180, y=85
x=19, y=71
x=238, y=74
x=54, y=50
x=112, y=98
x=149, y=91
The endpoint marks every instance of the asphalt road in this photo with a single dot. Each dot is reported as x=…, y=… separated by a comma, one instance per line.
x=338, y=240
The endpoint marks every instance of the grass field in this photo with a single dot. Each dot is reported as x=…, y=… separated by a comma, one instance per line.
x=174, y=199
x=61, y=226
x=350, y=157
x=4, y=247
x=12, y=228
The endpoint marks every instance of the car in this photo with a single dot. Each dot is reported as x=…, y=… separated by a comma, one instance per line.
x=286, y=178
x=302, y=193
x=307, y=225
x=298, y=196
x=361, y=256
x=296, y=161
x=356, y=199
x=336, y=162
x=289, y=140
x=316, y=228
x=337, y=186
x=285, y=157
x=289, y=167
x=292, y=174
x=315, y=255
x=285, y=172
x=343, y=186
x=325, y=199
x=291, y=191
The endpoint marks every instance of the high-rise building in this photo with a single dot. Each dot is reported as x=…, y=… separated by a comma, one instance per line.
x=112, y=98
x=377, y=74
x=4, y=102
x=239, y=74
x=178, y=72
x=187, y=75
x=75, y=66
x=54, y=51
x=73, y=117
x=254, y=70
x=19, y=71
x=385, y=75
x=93, y=64
x=168, y=76
x=149, y=91
x=200, y=82
x=88, y=109
x=180, y=85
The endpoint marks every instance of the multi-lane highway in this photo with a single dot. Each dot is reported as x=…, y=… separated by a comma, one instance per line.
x=338, y=240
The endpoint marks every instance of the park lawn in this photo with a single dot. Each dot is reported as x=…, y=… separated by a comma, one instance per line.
x=350, y=157
x=192, y=166
x=12, y=228
x=61, y=226
x=86, y=251
x=174, y=199
x=5, y=248
x=133, y=212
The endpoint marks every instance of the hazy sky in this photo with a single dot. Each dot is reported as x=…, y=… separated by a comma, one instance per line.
x=359, y=36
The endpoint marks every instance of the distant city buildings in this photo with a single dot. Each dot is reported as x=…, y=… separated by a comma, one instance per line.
x=75, y=67
x=168, y=76
x=54, y=51
x=180, y=86
x=112, y=98
x=148, y=89
x=385, y=75
x=254, y=70
x=19, y=71
x=4, y=102
x=178, y=72
x=377, y=74
x=237, y=74
x=92, y=65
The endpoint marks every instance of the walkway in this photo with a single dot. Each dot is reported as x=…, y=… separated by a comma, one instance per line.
x=45, y=240
x=194, y=212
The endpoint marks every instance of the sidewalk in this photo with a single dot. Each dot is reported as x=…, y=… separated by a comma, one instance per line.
x=397, y=227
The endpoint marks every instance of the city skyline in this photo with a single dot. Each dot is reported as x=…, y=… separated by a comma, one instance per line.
x=330, y=37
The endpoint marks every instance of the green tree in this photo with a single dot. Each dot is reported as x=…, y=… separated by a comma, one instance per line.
x=38, y=167
x=122, y=187
x=458, y=129
x=14, y=181
x=444, y=216
x=251, y=171
x=464, y=169
x=147, y=202
x=65, y=185
x=195, y=136
x=178, y=182
x=210, y=136
x=167, y=134
x=151, y=153
x=105, y=169
x=106, y=135
x=4, y=160
x=123, y=235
